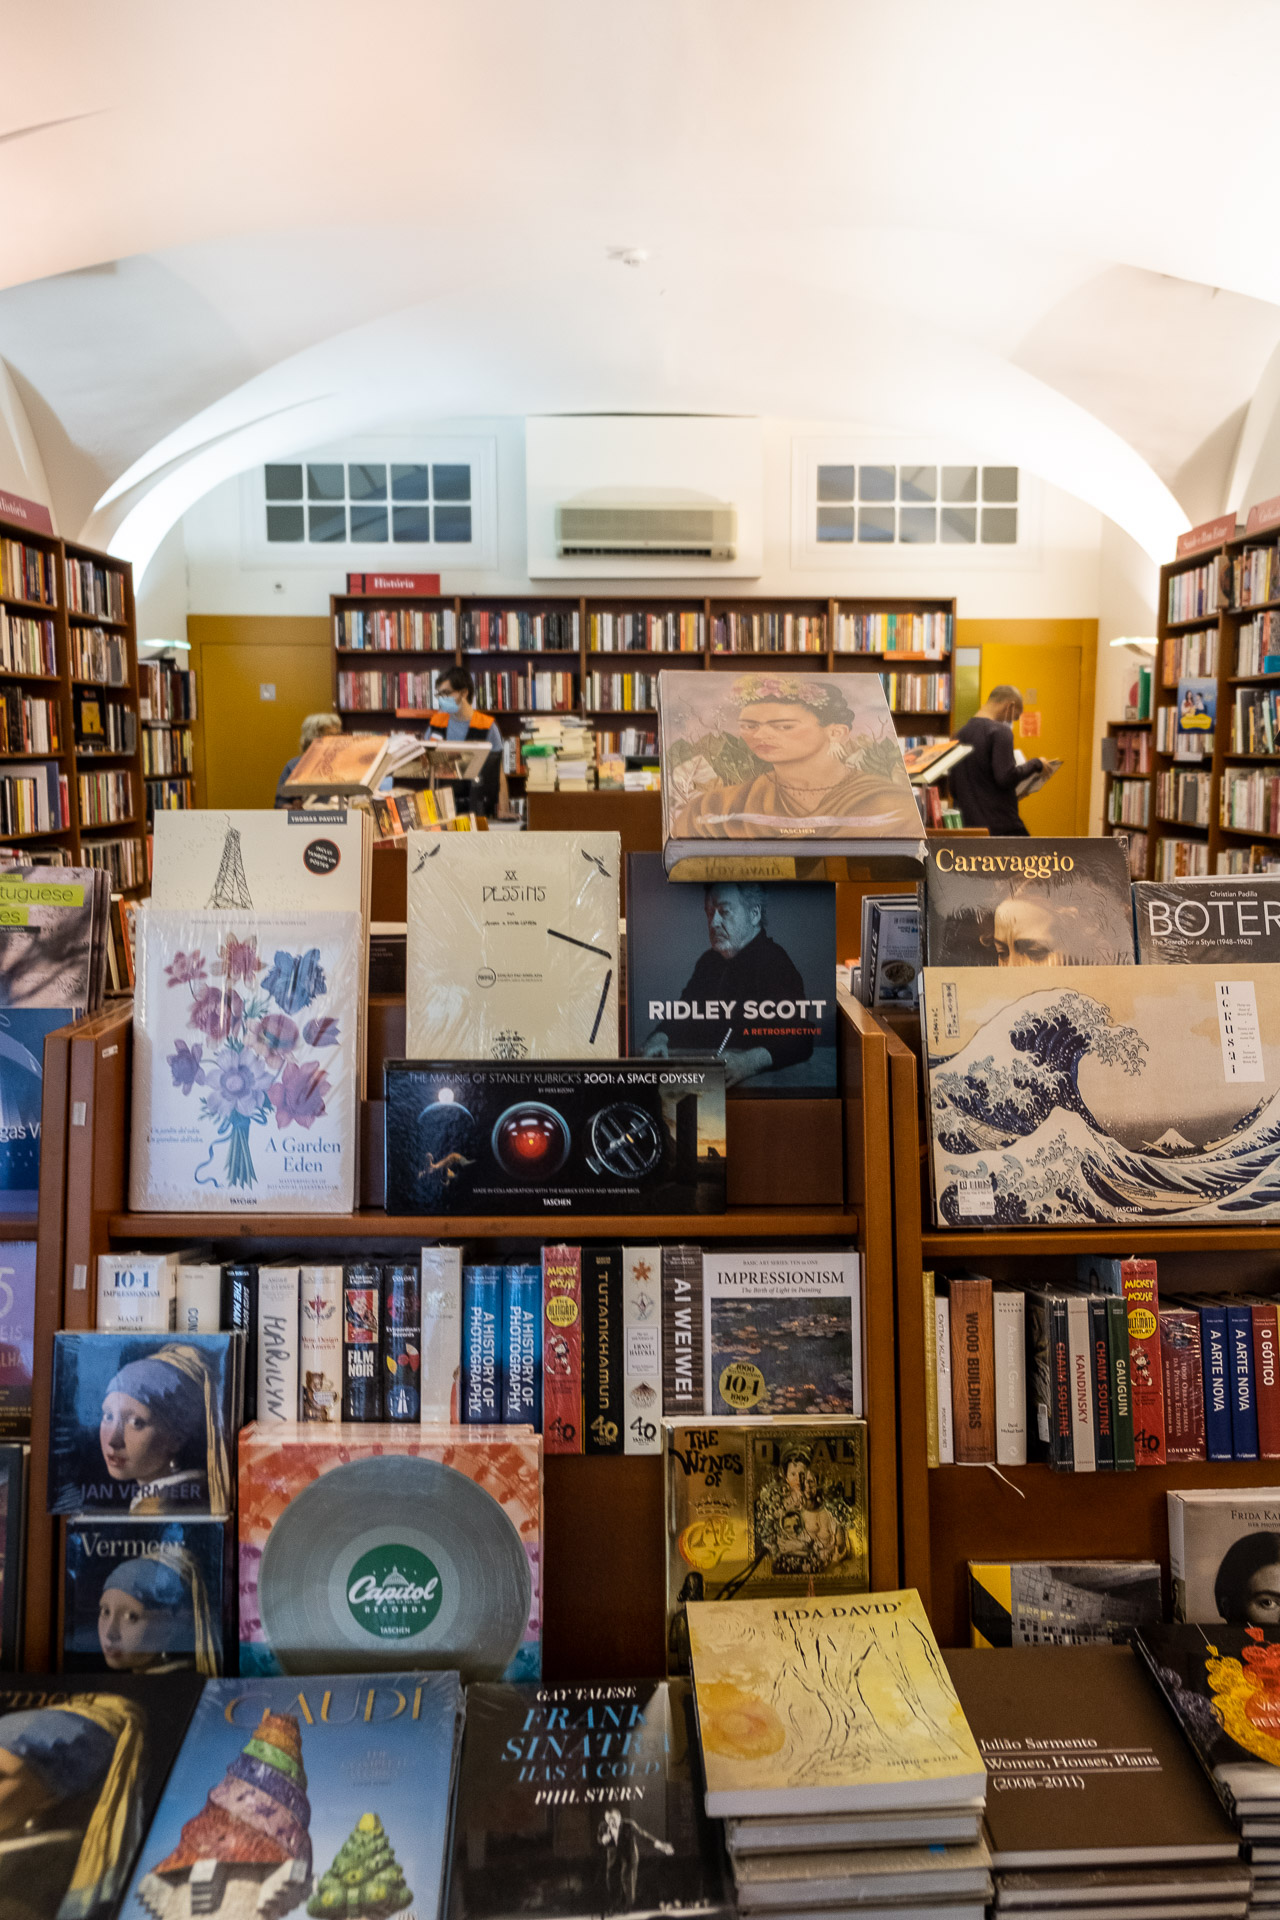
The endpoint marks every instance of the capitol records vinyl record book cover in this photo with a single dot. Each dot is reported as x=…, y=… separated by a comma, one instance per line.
x=641, y=1136
x=365, y=1547
x=147, y=1596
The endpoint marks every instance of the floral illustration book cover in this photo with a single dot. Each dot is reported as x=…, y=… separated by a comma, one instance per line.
x=245, y=1061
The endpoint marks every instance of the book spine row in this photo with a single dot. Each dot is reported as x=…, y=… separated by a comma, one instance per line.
x=28, y=725
x=99, y=657
x=1250, y=800
x=1181, y=859
x=27, y=573
x=124, y=860
x=1256, y=576
x=645, y=632
x=37, y=801
x=27, y=646
x=1129, y=802
x=510, y=692
x=170, y=750
x=1189, y=656
x=1183, y=797
x=1258, y=645
x=106, y=799
x=621, y=692
x=895, y=633
x=94, y=589
x=769, y=633
x=386, y=692
x=1198, y=591
x=514, y=631
x=396, y=629
x=165, y=693
x=1255, y=721
x=917, y=692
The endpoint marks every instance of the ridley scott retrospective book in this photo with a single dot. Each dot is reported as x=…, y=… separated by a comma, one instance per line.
x=323, y=1797
x=744, y=970
x=513, y=946
x=830, y=1704
x=1024, y=903
x=148, y=1596
x=782, y=1333
x=1121, y=1094
x=1222, y=1683
x=782, y=763
x=1024, y=1603
x=587, y=1799
x=365, y=1547
x=638, y=1136
x=758, y=1507
x=87, y=1757
x=1207, y=921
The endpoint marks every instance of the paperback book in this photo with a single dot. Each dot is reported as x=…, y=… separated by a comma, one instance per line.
x=1025, y=903
x=932, y=1876
x=1220, y=1682
x=1207, y=921
x=51, y=952
x=147, y=1596
x=782, y=1334
x=312, y=860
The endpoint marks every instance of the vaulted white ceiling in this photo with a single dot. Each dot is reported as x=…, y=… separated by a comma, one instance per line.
x=237, y=232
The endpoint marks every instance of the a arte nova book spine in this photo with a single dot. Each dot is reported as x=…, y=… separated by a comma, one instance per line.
x=562, y=1349
x=277, y=1344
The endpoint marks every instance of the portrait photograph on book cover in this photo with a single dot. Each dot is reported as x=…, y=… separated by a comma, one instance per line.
x=1127, y=1093
x=1027, y=903
x=145, y=1596
x=1224, y=1554
x=742, y=970
x=143, y=1424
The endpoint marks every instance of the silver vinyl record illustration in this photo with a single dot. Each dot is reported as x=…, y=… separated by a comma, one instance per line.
x=394, y=1562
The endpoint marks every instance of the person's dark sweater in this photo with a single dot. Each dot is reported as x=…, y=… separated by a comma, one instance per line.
x=984, y=784
x=760, y=971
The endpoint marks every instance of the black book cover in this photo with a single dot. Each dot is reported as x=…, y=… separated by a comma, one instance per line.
x=1223, y=1683
x=742, y=971
x=602, y=1354
x=579, y=1802
x=1226, y=920
x=1002, y=903
x=1104, y=1439
x=361, y=1341
x=240, y=1312
x=1049, y=1377
x=683, y=1360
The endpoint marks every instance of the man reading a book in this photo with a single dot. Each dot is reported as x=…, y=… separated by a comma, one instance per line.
x=985, y=784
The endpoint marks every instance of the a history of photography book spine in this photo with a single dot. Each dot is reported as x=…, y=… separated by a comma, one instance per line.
x=522, y=1350
x=482, y=1345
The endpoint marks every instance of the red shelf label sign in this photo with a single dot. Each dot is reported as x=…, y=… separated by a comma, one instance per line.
x=1210, y=533
x=28, y=513
x=1264, y=515
x=393, y=583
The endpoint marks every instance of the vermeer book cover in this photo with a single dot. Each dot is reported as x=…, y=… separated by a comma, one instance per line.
x=245, y=1061
x=761, y=1507
x=1125, y=1093
x=84, y=1761
x=329, y=1796
x=1027, y=903
x=1207, y=921
x=512, y=946
x=146, y=1596
x=828, y=1705
x=744, y=970
x=1222, y=1683
x=588, y=1800
x=143, y=1424
x=782, y=1333
x=808, y=762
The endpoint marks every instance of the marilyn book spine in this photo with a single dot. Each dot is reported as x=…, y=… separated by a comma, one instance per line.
x=402, y=1343
x=942, y=1345
x=1266, y=1377
x=1080, y=1361
x=320, y=1362
x=602, y=1404
x=1244, y=1402
x=361, y=1340
x=240, y=1314
x=973, y=1383
x=198, y=1291
x=562, y=1349
x=441, y=1335
x=1104, y=1434
x=1010, y=1338
x=1183, y=1384
x=522, y=1352
x=1213, y=1359
x=642, y=1349
x=277, y=1344
x=932, y=1455
x=683, y=1360
x=1121, y=1390
x=1146, y=1362
x=482, y=1346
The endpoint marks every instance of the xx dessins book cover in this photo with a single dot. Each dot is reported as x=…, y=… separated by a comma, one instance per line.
x=1027, y=903
x=806, y=762
x=586, y=1799
x=84, y=1762
x=827, y=1705
x=1223, y=1683
x=761, y=1507
x=512, y=946
x=782, y=1333
x=246, y=1060
x=324, y=1796
x=1123, y=1093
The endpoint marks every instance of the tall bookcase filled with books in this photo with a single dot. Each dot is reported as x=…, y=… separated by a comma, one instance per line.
x=1126, y=791
x=103, y=662
x=166, y=713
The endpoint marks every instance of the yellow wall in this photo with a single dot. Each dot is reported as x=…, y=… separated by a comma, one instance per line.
x=1076, y=645
x=243, y=739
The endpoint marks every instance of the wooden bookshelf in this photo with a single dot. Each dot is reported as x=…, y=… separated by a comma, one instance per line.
x=167, y=713
x=96, y=837
x=1126, y=734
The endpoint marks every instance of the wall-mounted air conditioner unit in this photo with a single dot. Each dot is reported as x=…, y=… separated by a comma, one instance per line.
x=642, y=523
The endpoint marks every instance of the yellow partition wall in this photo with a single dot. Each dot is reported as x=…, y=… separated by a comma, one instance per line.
x=1053, y=663
x=258, y=677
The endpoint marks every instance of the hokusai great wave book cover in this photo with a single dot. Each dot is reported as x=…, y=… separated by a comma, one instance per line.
x=328, y=1797
x=1117, y=1093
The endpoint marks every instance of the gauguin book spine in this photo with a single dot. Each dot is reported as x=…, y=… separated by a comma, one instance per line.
x=562, y=1349
x=1121, y=1386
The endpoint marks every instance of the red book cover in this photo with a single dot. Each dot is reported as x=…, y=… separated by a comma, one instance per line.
x=562, y=1350
x=1146, y=1375
x=1183, y=1383
x=1266, y=1378
x=407, y=583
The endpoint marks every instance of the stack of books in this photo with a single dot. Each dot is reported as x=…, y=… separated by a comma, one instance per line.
x=558, y=750
x=834, y=1745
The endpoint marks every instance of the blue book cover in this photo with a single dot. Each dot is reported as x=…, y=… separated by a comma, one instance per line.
x=522, y=1354
x=17, y=1334
x=482, y=1346
x=1244, y=1405
x=1217, y=1392
x=148, y=1596
x=22, y=1037
x=316, y=1795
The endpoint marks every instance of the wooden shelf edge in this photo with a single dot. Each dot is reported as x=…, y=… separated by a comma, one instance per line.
x=739, y=1223
x=939, y=1243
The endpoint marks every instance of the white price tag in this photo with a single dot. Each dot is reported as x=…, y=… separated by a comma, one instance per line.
x=1239, y=1031
x=975, y=1196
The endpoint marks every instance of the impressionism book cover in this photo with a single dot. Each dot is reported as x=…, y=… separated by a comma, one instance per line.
x=84, y=1761
x=245, y=1061
x=146, y=1596
x=144, y=1424
x=325, y=1797
x=761, y=1507
x=1125, y=1093
x=365, y=1547
x=1223, y=1683
x=744, y=970
x=1027, y=903
x=587, y=1799
x=47, y=956
x=260, y=862
x=827, y=1705
x=802, y=762
x=1207, y=921
x=782, y=1333
x=513, y=946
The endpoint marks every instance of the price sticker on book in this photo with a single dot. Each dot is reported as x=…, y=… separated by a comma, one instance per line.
x=1239, y=1031
x=975, y=1196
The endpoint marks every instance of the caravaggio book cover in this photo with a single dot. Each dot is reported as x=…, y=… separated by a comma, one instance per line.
x=1024, y=903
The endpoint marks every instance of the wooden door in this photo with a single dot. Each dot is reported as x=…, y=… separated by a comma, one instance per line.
x=259, y=678
x=1048, y=678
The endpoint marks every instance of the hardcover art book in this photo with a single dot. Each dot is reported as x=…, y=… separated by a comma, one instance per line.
x=1208, y=920
x=804, y=763
x=744, y=970
x=1023, y=1603
x=147, y=1596
x=1224, y=1554
x=1222, y=1682
x=828, y=1705
x=51, y=952
x=761, y=1507
x=15, y=1459
x=144, y=1424
x=246, y=1061
x=84, y=1761
x=512, y=946
x=1026, y=903
x=1125, y=1093
x=23, y=1031
x=259, y=862
x=586, y=1799
x=782, y=1333
x=324, y=1797
x=362, y=1547
x=17, y=1333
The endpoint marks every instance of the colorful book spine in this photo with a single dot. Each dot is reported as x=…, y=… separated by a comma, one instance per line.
x=277, y=1344
x=1266, y=1377
x=481, y=1346
x=240, y=1315
x=683, y=1361
x=973, y=1387
x=320, y=1293
x=562, y=1349
x=642, y=1350
x=401, y=1343
x=602, y=1406
x=441, y=1297
x=1104, y=1437
x=1244, y=1400
x=1146, y=1370
x=361, y=1339
x=522, y=1349
x=932, y=1456
x=1183, y=1384
x=942, y=1345
x=1080, y=1366
x=1213, y=1361
x=1008, y=1311
x=1121, y=1391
